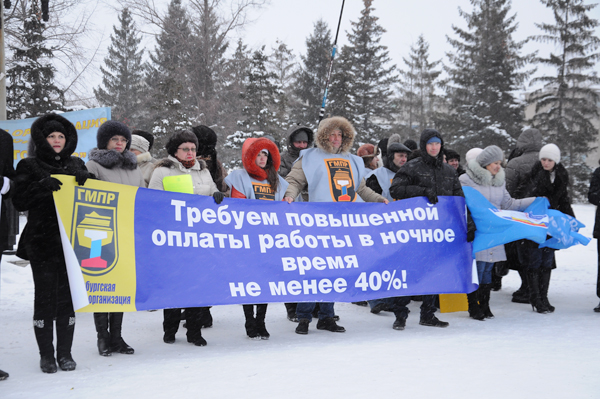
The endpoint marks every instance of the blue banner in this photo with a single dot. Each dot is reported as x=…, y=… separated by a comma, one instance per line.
x=85, y=121
x=190, y=251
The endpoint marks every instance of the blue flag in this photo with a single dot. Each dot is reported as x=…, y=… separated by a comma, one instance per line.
x=496, y=227
x=564, y=231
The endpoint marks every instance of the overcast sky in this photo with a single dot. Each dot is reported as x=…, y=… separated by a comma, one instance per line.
x=291, y=21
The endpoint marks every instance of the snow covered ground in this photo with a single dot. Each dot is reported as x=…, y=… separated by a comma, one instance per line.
x=519, y=354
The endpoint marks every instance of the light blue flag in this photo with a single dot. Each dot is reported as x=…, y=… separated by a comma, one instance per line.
x=564, y=231
x=496, y=227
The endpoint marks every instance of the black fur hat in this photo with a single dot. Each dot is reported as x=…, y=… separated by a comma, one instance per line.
x=42, y=127
x=207, y=140
x=148, y=136
x=178, y=138
x=110, y=129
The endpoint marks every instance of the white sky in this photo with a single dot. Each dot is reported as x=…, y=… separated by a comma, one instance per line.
x=291, y=21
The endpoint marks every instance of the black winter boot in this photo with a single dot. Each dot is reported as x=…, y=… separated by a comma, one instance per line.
x=496, y=281
x=65, y=328
x=291, y=312
x=545, y=275
x=522, y=294
x=433, y=322
x=475, y=311
x=117, y=344
x=261, y=312
x=101, y=322
x=44, y=335
x=329, y=324
x=484, y=300
x=302, y=327
x=251, y=328
x=533, y=279
x=194, y=326
x=3, y=375
x=206, y=320
x=399, y=323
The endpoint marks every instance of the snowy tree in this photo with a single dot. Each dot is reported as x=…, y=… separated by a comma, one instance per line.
x=568, y=101
x=167, y=77
x=284, y=69
x=365, y=63
x=417, y=100
x=310, y=81
x=31, y=90
x=484, y=72
x=122, y=78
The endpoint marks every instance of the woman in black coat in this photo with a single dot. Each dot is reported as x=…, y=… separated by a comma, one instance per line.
x=548, y=178
x=53, y=140
x=594, y=198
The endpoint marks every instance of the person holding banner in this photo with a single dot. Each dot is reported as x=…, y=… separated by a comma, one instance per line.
x=7, y=172
x=330, y=174
x=426, y=176
x=486, y=175
x=53, y=140
x=548, y=178
x=113, y=162
x=182, y=162
x=258, y=180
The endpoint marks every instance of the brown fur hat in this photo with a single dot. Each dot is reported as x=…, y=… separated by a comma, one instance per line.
x=250, y=151
x=330, y=124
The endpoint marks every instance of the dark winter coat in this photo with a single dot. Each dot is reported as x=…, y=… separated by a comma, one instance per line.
x=292, y=153
x=40, y=239
x=529, y=145
x=425, y=172
x=6, y=170
x=538, y=184
x=594, y=198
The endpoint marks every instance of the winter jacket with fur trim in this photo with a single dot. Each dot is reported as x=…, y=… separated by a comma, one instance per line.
x=170, y=166
x=493, y=188
x=291, y=154
x=116, y=167
x=146, y=164
x=538, y=184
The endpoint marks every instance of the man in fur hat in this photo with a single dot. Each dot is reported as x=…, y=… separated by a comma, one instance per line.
x=368, y=152
x=331, y=158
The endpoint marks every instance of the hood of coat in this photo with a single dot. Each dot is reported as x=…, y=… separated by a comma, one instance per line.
x=482, y=176
x=426, y=135
x=171, y=162
x=250, y=151
x=291, y=134
x=112, y=159
x=144, y=157
x=530, y=141
x=330, y=124
x=40, y=129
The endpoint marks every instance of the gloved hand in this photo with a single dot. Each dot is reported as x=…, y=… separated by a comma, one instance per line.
x=51, y=183
x=81, y=176
x=470, y=235
x=218, y=196
x=431, y=195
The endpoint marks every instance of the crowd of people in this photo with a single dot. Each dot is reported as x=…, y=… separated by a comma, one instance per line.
x=392, y=170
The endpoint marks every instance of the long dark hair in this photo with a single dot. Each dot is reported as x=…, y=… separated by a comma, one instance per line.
x=272, y=175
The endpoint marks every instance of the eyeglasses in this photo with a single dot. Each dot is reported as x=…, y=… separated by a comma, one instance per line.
x=119, y=140
x=186, y=149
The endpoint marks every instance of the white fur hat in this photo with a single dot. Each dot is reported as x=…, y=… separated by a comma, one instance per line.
x=472, y=154
x=550, y=151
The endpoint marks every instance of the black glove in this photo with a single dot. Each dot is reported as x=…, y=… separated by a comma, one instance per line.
x=218, y=196
x=470, y=235
x=431, y=195
x=81, y=176
x=51, y=183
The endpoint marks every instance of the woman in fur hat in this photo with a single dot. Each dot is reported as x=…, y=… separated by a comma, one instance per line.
x=548, y=178
x=258, y=180
x=53, y=140
x=112, y=161
x=182, y=147
x=486, y=175
x=140, y=147
x=207, y=152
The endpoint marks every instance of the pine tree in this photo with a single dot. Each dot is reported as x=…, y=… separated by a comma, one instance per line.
x=123, y=78
x=484, y=73
x=284, y=69
x=310, y=81
x=169, y=98
x=365, y=61
x=417, y=91
x=31, y=90
x=568, y=101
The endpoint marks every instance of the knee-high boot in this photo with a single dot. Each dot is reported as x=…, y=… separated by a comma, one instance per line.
x=484, y=300
x=194, y=326
x=44, y=334
x=291, y=311
x=522, y=294
x=65, y=328
x=206, y=320
x=251, y=329
x=101, y=322
x=261, y=312
x=117, y=344
x=544, y=285
x=474, y=308
x=533, y=279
